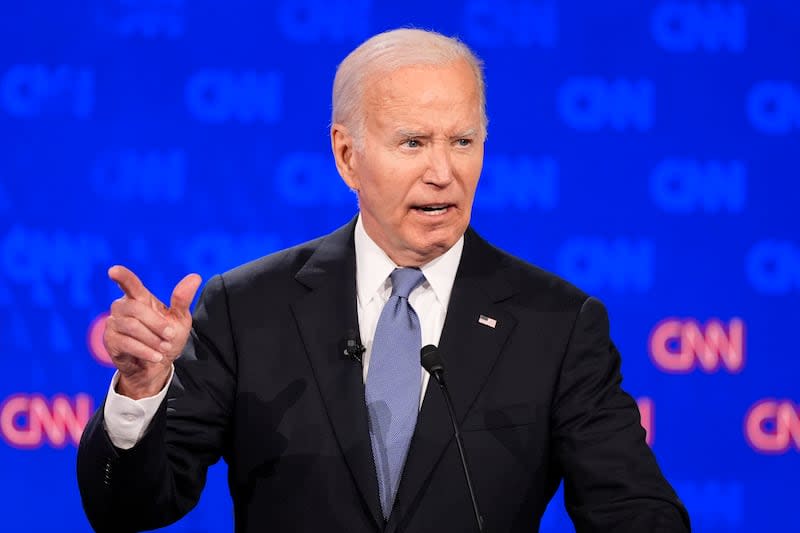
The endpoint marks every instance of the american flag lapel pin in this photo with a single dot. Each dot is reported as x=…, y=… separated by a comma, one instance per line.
x=487, y=321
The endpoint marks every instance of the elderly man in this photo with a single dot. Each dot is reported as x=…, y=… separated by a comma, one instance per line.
x=319, y=441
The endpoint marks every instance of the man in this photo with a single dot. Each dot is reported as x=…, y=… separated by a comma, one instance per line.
x=315, y=441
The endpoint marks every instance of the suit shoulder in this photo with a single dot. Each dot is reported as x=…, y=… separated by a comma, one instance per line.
x=535, y=282
x=277, y=266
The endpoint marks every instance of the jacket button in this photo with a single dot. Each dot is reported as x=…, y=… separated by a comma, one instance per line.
x=107, y=475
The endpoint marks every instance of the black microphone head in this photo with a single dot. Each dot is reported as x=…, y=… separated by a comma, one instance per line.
x=352, y=346
x=431, y=360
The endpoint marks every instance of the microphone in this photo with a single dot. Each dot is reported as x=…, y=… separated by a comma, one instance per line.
x=432, y=362
x=353, y=348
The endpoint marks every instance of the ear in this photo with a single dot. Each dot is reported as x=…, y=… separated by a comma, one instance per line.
x=343, y=146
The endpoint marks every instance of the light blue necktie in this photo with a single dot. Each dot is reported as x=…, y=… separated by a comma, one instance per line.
x=393, y=384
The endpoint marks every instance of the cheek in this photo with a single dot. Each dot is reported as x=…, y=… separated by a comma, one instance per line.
x=395, y=186
x=383, y=192
x=470, y=172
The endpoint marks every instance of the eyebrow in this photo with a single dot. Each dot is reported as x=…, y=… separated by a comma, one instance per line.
x=467, y=133
x=404, y=134
x=416, y=134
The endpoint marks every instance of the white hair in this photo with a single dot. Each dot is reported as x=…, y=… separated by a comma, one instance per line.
x=387, y=52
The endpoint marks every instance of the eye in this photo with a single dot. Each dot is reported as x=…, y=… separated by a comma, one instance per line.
x=464, y=142
x=412, y=143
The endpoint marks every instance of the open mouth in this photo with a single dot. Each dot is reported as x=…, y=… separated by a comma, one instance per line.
x=434, y=209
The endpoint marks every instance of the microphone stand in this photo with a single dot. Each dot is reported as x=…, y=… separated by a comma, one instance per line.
x=434, y=365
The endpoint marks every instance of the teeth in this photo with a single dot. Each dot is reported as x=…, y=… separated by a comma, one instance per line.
x=433, y=210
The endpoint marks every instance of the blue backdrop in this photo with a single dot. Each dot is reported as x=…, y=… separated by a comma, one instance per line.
x=645, y=150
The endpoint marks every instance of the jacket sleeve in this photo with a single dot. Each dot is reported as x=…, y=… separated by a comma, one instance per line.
x=160, y=479
x=611, y=479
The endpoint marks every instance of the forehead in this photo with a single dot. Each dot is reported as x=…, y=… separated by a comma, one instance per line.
x=420, y=92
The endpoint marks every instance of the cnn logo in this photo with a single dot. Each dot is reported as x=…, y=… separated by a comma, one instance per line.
x=773, y=426
x=30, y=420
x=679, y=346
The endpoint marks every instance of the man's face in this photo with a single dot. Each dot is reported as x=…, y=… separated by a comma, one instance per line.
x=420, y=159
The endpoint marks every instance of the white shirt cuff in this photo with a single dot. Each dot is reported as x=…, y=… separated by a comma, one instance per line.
x=126, y=420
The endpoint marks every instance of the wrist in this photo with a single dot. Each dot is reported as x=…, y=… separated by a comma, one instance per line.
x=137, y=389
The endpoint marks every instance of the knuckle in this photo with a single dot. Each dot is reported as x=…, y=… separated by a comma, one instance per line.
x=126, y=307
x=127, y=326
x=141, y=314
x=116, y=306
x=133, y=307
x=120, y=325
x=127, y=346
x=149, y=316
x=110, y=341
x=159, y=322
x=108, y=344
x=113, y=323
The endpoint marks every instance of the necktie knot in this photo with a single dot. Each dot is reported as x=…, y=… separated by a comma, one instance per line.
x=405, y=280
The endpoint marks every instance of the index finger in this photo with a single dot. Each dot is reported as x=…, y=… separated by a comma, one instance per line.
x=129, y=283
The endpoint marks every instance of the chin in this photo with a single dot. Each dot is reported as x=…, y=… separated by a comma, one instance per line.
x=424, y=244
x=433, y=246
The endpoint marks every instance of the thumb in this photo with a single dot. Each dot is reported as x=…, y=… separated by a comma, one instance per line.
x=183, y=294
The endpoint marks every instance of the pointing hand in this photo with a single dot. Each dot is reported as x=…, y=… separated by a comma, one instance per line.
x=143, y=336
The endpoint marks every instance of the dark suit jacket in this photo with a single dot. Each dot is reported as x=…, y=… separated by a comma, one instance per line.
x=264, y=384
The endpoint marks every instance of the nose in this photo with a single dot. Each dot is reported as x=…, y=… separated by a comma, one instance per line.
x=440, y=170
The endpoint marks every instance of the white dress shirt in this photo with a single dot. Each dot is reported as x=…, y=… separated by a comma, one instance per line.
x=126, y=420
x=429, y=299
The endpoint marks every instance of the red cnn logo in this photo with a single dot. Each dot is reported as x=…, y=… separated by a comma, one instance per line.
x=773, y=426
x=679, y=346
x=94, y=338
x=30, y=420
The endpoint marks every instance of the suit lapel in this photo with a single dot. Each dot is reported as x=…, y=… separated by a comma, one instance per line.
x=323, y=318
x=469, y=350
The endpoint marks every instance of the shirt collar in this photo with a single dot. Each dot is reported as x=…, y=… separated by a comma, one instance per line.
x=373, y=267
